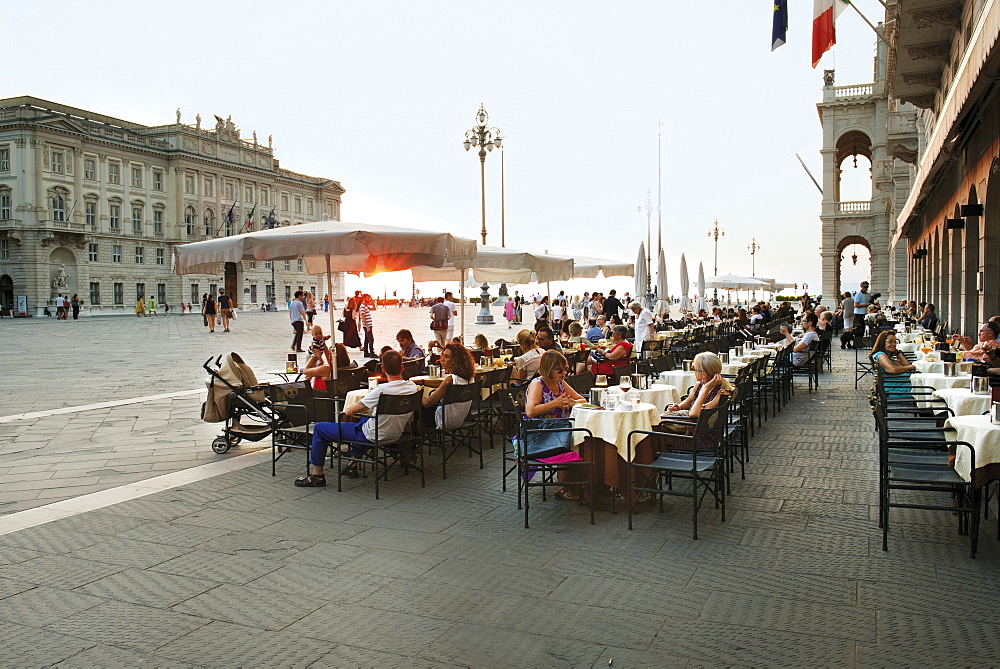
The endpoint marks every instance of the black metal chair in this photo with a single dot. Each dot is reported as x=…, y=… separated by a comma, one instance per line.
x=681, y=458
x=915, y=465
x=536, y=444
x=863, y=365
x=380, y=455
x=467, y=434
x=810, y=368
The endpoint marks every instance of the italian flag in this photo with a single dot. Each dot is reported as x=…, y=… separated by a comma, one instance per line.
x=825, y=13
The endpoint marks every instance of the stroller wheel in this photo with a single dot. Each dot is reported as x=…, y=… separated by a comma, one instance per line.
x=220, y=445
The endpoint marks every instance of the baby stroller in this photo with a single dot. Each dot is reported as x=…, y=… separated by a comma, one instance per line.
x=235, y=398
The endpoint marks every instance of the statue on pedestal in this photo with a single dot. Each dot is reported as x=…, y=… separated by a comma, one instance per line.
x=60, y=284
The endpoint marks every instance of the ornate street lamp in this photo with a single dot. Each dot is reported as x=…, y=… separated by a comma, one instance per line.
x=714, y=233
x=753, y=247
x=486, y=139
x=649, y=239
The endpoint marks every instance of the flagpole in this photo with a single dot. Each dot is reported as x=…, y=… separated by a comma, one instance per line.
x=870, y=25
x=889, y=9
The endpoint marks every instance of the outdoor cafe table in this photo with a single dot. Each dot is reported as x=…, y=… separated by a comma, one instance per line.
x=659, y=395
x=939, y=382
x=985, y=438
x=734, y=368
x=609, y=446
x=963, y=402
x=679, y=379
x=907, y=348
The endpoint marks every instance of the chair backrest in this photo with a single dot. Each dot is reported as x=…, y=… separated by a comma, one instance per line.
x=358, y=377
x=397, y=405
x=340, y=386
x=455, y=394
x=289, y=392
x=412, y=368
x=653, y=347
x=711, y=421
x=581, y=383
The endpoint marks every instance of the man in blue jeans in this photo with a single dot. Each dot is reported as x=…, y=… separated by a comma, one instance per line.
x=296, y=312
x=390, y=428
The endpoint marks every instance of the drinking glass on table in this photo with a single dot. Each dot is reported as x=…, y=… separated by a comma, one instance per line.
x=601, y=380
x=624, y=382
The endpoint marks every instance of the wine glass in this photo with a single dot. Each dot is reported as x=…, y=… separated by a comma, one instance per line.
x=601, y=381
x=624, y=382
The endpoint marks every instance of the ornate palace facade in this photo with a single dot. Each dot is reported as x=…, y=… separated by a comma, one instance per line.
x=93, y=205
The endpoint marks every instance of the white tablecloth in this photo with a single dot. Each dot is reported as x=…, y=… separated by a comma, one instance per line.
x=925, y=367
x=940, y=381
x=678, y=379
x=659, y=395
x=908, y=348
x=614, y=426
x=963, y=402
x=984, y=437
x=734, y=368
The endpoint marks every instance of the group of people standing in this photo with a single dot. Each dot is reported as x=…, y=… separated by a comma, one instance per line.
x=355, y=319
x=65, y=305
x=218, y=312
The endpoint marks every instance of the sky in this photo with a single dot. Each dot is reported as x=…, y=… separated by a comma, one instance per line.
x=378, y=95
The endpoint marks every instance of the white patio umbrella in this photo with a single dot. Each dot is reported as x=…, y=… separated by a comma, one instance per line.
x=330, y=246
x=662, y=293
x=642, y=271
x=737, y=283
x=493, y=264
x=685, y=285
x=701, y=286
x=585, y=267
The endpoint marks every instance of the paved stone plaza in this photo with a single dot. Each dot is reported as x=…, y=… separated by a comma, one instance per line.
x=239, y=568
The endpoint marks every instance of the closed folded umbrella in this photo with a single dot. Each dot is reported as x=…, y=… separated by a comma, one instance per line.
x=701, y=286
x=662, y=293
x=685, y=285
x=641, y=272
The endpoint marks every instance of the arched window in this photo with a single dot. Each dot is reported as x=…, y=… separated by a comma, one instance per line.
x=189, y=221
x=209, y=222
x=58, y=208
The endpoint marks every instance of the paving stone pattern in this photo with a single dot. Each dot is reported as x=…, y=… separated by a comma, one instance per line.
x=244, y=569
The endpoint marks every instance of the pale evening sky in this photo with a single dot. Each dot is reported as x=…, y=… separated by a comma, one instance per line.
x=379, y=94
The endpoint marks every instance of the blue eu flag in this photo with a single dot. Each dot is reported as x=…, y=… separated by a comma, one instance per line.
x=780, y=26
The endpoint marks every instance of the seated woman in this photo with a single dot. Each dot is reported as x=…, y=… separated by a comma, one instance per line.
x=710, y=386
x=800, y=350
x=526, y=364
x=318, y=368
x=893, y=366
x=614, y=356
x=459, y=369
x=480, y=342
x=576, y=339
x=549, y=396
x=825, y=321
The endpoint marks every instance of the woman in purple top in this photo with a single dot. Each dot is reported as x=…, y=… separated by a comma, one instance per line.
x=549, y=396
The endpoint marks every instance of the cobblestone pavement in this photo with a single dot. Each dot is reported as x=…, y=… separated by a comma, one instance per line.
x=245, y=569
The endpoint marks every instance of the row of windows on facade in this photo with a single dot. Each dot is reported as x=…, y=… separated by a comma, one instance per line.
x=260, y=195
x=60, y=213
x=118, y=293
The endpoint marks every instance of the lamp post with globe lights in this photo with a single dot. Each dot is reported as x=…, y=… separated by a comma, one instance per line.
x=486, y=138
x=753, y=247
x=714, y=233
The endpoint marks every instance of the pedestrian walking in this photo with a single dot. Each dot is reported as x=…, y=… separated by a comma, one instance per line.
x=296, y=312
x=210, y=310
x=225, y=309
x=151, y=309
x=74, y=303
x=365, y=314
x=509, y=311
x=349, y=324
x=310, y=302
x=439, y=320
x=140, y=307
x=448, y=302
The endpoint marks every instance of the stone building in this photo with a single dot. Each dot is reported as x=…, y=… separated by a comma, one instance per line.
x=945, y=61
x=93, y=205
x=930, y=124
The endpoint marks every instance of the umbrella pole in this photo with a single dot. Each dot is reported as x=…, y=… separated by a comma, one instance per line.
x=461, y=307
x=333, y=329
